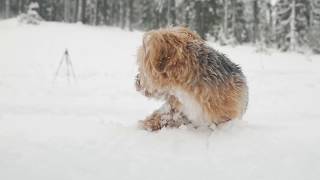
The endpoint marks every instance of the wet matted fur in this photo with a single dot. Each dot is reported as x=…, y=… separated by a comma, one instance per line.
x=198, y=84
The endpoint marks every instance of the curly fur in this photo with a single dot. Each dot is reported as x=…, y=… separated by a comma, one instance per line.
x=197, y=82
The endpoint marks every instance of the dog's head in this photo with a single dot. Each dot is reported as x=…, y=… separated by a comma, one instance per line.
x=164, y=56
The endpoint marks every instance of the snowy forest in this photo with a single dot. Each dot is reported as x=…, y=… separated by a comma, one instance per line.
x=288, y=25
x=70, y=110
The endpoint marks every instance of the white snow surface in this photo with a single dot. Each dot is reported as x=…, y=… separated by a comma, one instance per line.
x=87, y=130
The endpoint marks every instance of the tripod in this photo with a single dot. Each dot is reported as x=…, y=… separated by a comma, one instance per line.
x=66, y=60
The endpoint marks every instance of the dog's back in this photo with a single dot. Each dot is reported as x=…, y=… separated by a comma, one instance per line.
x=227, y=91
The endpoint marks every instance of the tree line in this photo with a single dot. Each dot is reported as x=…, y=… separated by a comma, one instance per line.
x=288, y=25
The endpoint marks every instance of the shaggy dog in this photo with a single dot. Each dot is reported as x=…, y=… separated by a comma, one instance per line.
x=198, y=84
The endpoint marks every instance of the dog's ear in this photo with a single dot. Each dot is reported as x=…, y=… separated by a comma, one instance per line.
x=166, y=53
x=156, y=50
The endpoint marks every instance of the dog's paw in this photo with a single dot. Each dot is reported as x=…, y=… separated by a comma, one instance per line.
x=150, y=124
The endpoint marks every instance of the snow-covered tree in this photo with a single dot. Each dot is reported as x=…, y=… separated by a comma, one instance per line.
x=200, y=15
x=234, y=25
x=32, y=16
x=67, y=7
x=314, y=29
x=186, y=11
x=261, y=23
x=224, y=34
x=255, y=13
x=130, y=12
x=171, y=15
x=287, y=24
x=147, y=19
x=239, y=28
x=291, y=23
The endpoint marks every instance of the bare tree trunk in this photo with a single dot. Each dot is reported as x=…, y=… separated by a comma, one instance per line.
x=274, y=16
x=311, y=13
x=83, y=11
x=76, y=10
x=122, y=13
x=116, y=13
x=187, y=14
x=19, y=6
x=293, y=26
x=97, y=20
x=1, y=9
x=79, y=13
x=233, y=20
x=130, y=14
x=172, y=12
x=112, y=13
x=157, y=19
x=7, y=8
x=225, y=19
x=255, y=21
x=66, y=11
x=199, y=27
x=104, y=12
x=269, y=25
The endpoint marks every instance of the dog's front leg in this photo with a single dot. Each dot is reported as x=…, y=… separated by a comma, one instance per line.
x=169, y=115
x=153, y=122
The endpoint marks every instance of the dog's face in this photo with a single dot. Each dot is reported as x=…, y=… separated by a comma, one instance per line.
x=164, y=57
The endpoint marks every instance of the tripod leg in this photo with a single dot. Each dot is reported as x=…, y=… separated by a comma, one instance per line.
x=72, y=70
x=59, y=67
x=68, y=69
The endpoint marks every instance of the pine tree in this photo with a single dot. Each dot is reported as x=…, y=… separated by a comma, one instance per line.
x=44, y=10
x=147, y=15
x=211, y=17
x=123, y=12
x=161, y=13
x=83, y=11
x=105, y=12
x=234, y=28
x=229, y=19
x=172, y=12
x=293, y=36
x=291, y=24
x=314, y=29
x=2, y=11
x=19, y=6
x=130, y=14
x=315, y=12
x=79, y=12
x=260, y=23
x=255, y=20
x=98, y=12
x=239, y=29
x=265, y=25
x=66, y=11
x=183, y=11
x=225, y=29
x=198, y=24
x=76, y=10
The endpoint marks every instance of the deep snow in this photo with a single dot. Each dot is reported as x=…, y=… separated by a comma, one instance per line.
x=88, y=129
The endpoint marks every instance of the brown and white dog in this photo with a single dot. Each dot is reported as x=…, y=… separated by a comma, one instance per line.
x=198, y=84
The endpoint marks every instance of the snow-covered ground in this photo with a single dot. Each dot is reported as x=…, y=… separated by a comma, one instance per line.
x=88, y=129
